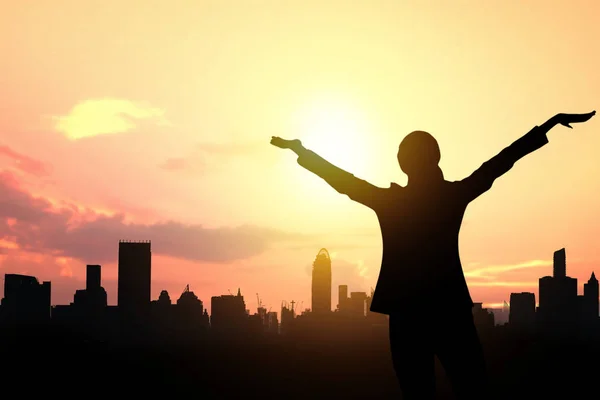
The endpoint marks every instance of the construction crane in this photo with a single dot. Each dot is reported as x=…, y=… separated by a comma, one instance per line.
x=258, y=301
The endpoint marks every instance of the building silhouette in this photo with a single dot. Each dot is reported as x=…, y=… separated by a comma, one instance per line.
x=522, y=310
x=228, y=313
x=484, y=319
x=26, y=300
x=342, y=298
x=93, y=298
x=321, y=283
x=135, y=265
x=217, y=342
x=558, y=303
x=287, y=318
x=357, y=304
x=591, y=298
x=561, y=310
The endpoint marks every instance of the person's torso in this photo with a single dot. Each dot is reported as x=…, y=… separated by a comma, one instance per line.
x=420, y=233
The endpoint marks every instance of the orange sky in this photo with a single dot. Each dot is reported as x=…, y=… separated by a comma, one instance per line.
x=151, y=120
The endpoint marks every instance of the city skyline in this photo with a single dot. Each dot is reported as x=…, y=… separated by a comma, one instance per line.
x=162, y=134
x=560, y=292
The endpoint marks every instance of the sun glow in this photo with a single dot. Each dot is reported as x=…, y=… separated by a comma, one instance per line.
x=338, y=132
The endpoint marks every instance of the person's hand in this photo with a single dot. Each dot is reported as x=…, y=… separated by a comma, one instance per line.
x=285, y=144
x=568, y=119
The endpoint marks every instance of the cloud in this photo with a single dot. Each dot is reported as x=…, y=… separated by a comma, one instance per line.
x=45, y=268
x=105, y=116
x=203, y=153
x=35, y=225
x=25, y=163
x=490, y=272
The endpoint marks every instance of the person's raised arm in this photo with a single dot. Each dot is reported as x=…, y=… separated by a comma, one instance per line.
x=344, y=182
x=482, y=179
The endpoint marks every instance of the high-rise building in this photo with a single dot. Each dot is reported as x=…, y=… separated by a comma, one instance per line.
x=26, y=299
x=560, y=263
x=135, y=264
x=93, y=277
x=321, y=283
x=357, y=303
x=558, y=308
x=287, y=318
x=590, y=296
x=228, y=313
x=522, y=311
x=342, y=297
x=484, y=319
x=93, y=297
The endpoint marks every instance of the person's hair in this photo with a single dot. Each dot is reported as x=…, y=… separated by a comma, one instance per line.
x=418, y=151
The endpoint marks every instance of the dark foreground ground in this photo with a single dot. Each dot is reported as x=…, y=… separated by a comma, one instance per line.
x=276, y=368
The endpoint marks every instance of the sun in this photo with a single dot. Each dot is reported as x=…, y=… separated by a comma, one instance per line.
x=336, y=131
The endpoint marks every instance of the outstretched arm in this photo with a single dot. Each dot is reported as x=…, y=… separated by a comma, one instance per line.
x=482, y=179
x=344, y=182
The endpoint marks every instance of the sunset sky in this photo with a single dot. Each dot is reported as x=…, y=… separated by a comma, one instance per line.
x=151, y=120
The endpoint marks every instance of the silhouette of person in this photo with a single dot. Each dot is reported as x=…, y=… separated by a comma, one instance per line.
x=421, y=285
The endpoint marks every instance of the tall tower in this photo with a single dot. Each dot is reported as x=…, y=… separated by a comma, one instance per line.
x=590, y=294
x=93, y=277
x=560, y=263
x=134, y=276
x=558, y=301
x=321, y=283
x=342, y=297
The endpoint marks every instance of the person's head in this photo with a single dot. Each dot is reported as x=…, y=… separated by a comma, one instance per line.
x=419, y=155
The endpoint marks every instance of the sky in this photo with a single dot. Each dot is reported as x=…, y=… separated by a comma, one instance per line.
x=151, y=120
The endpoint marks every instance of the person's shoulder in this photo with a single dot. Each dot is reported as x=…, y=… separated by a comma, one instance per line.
x=453, y=186
x=393, y=190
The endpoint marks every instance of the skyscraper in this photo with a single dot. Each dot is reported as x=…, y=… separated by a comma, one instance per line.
x=26, y=299
x=558, y=302
x=357, y=303
x=134, y=276
x=342, y=297
x=560, y=263
x=93, y=298
x=93, y=277
x=522, y=311
x=591, y=299
x=321, y=283
x=228, y=313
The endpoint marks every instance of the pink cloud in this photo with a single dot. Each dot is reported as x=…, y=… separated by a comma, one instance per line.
x=24, y=163
x=38, y=226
